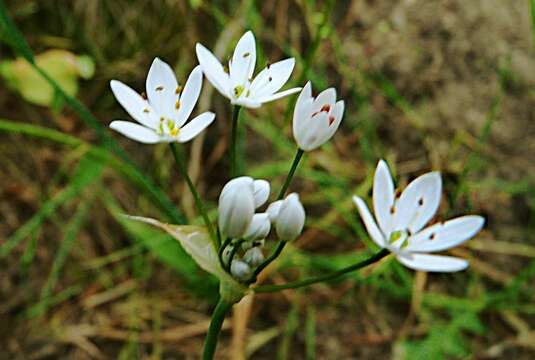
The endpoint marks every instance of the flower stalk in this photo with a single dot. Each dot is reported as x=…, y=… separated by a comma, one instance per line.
x=234, y=170
x=323, y=278
x=198, y=202
x=218, y=316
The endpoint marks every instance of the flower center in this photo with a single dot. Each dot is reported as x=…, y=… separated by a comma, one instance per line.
x=167, y=126
x=238, y=90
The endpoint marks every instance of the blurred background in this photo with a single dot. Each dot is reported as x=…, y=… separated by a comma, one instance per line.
x=443, y=85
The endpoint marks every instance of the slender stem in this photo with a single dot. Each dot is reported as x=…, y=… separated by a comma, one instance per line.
x=269, y=260
x=289, y=177
x=235, y=247
x=196, y=197
x=322, y=278
x=234, y=171
x=218, y=316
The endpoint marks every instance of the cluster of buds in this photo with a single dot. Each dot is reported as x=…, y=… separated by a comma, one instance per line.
x=244, y=231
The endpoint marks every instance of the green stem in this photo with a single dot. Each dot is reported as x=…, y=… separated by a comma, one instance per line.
x=196, y=197
x=269, y=260
x=235, y=247
x=234, y=171
x=218, y=316
x=289, y=177
x=327, y=277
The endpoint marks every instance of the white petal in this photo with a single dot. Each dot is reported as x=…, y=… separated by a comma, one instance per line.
x=326, y=97
x=161, y=87
x=136, y=132
x=418, y=203
x=316, y=132
x=302, y=110
x=195, y=126
x=134, y=104
x=272, y=78
x=278, y=95
x=369, y=222
x=243, y=60
x=261, y=192
x=246, y=102
x=189, y=96
x=443, y=236
x=213, y=70
x=273, y=210
x=383, y=197
x=432, y=263
x=335, y=118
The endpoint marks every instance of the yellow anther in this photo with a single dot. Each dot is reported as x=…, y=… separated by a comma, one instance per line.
x=177, y=104
x=238, y=90
x=178, y=90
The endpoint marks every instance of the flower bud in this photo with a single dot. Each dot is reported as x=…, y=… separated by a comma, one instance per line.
x=260, y=192
x=253, y=257
x=273, y=210
x=226, y=253
x=236, y=207
x=291, y=218
x=316, y=120
x=240, y=270
x=258, y=228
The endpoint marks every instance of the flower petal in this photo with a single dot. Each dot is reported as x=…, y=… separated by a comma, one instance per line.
x=195, y=126
x=383, y=197
x=369, y=222
x=278, y=95
x=161, y=88
x=246, y=102
x=243, y=60
x=432, y=263
x=326, y=97
x=189, y=96
x=213, y=70
x=134, y=104
x=261, y=192
x=272, y=78
x=418, y=203
x=302, y=110
x=136, y=132
x=443, y=236
x=335, y=118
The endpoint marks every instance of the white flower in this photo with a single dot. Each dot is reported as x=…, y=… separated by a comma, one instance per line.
x=259, y=227
x=290, y=218
x=316, y=120
x=236, y=82
x=237, y=203
x=400, y=220
x=162, y=115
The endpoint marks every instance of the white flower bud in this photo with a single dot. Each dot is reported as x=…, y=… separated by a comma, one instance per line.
x=253, y=257
x=258, y=228
x=240, y=270
x=316, y=120
x=291, y=218
x=261, y=192
x=236, y=207
x=273, y=210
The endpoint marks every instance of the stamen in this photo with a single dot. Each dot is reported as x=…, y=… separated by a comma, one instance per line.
x=421, y=201
x=170, y=124
x=178, y=90
x=331, y=120
x=268, y=65
x=392, y=210
x=246, y=54
x=174, y=132
x=238, y=90
x=326, y=108
x=432, y=236
x=146, y=110
x=270, y=78
x=225, y=69
x=144, y=95
x=177, y=104
x=159, y=88
x=398, y=193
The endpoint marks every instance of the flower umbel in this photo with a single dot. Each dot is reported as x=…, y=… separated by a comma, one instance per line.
x=236, y=82
x=401, y=219
x=316, y=120
x=165, y=109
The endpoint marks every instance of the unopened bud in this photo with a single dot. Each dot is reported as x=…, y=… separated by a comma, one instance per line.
x=253, y=257
x=258, y=228
x=273, y=210
x=260, y=192
x=291, y=218
x=240, y=270
x=236, y=207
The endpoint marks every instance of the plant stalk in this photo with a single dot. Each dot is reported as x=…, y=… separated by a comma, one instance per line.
x=234, y=171
x=218, y=316
x=323, y=278
x=196, y=197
